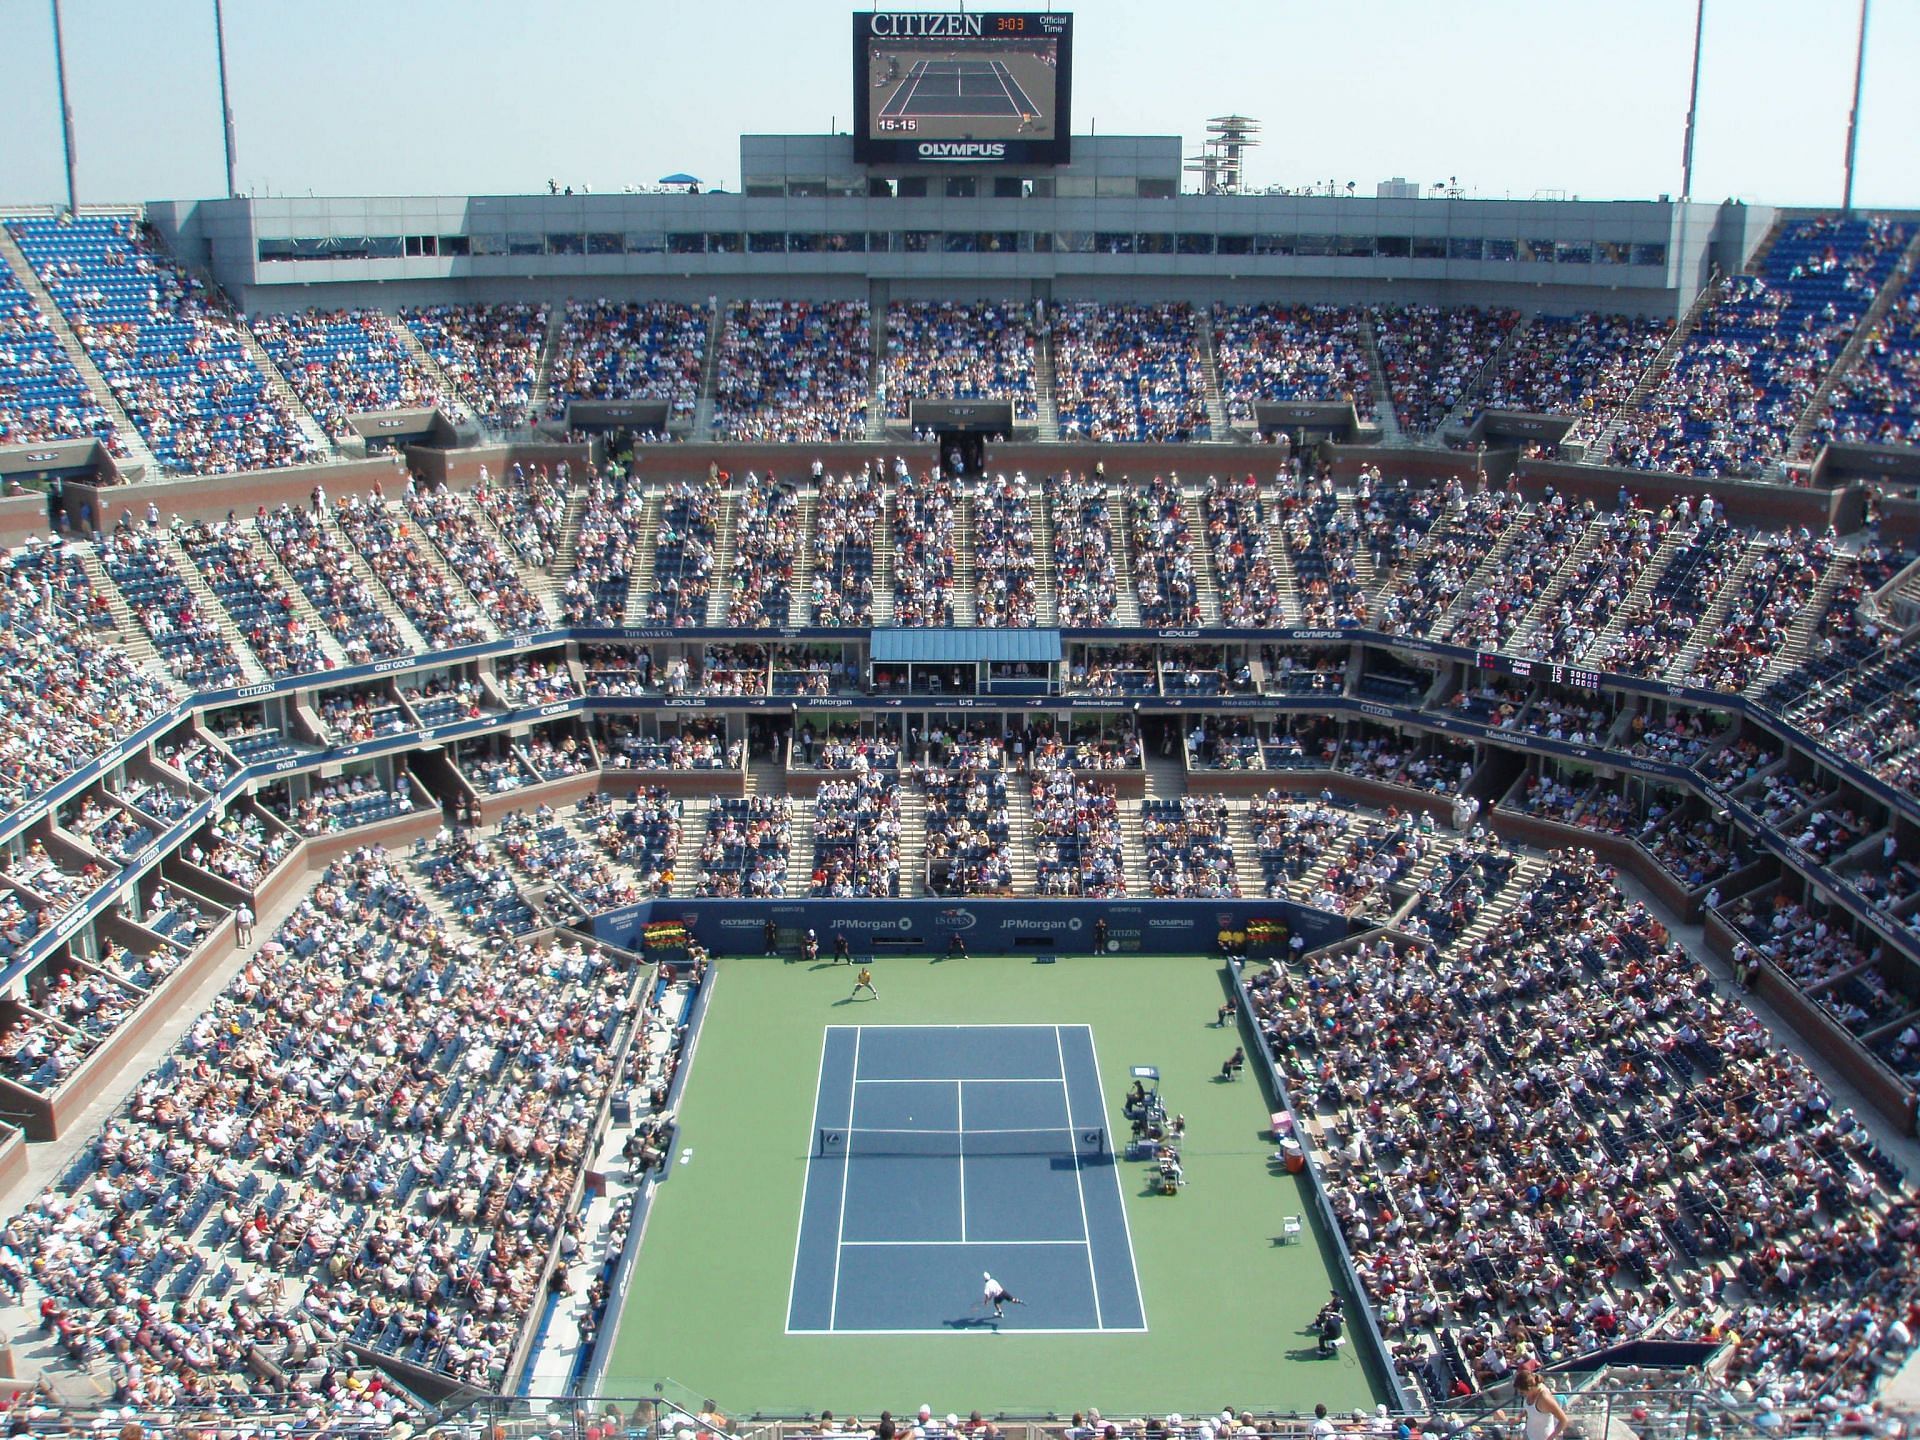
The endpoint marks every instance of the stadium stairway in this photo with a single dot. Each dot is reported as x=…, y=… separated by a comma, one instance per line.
x=801, y=612
x=540, y=583
x=210, y=606
x=882, y=568
x=1019, y=849
x=1541, y=611
x=128, y=633
x=1193, y=497
x=1166, y=777
x=459, y=411
x=1133, y=848
x=725, y=539
x=140, y=461
x=965, y=563
x=1047, y=426
x=1463, y=408
x=913, y=841
x=1383, y=412
x=800, y=848
x=1280, y=558
x=1246, y=851
x=1221, y=430
x=1606, y=428
x=877, y=397
x=1863, y=335
x=1798, y=646
x=687, y=868
x=541, y=395
x=567, y=545
x=436, y=560
x=1490, y=565
x=709, y=374
x=414, y=641
x=1046, y=592
x=1633, y=603
x=278, y=386
x=640, y=559
x=1126, y=603
x=1708, y=626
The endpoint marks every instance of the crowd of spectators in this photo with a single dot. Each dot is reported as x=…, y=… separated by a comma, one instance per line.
x=925, y=554
x=1237, y=539
x=1652, y=632
x=954, y=350
x=1077, y=847
x=1005, y=594
x=1128, y=372
x=1416, y=599
x=191, y=643
x=1189, y=851
x=1163, y=574
x=1290, y=353
x=793, y=370
x=345, y=362
x=491, y=353
x=244, y=582
x=1369, y=857
x=482, y=562
x=1588, y=802
x=745, y=849
x=345, y=803
x=1496, y=610
x=640, y=350
x=1753, y=362
x=42, y=396
x=596, y=589
x=66, y=692
x=324, y=569
x=1619, y=1181
x=365, y=712
x=845, y=511
x=683, y=549
x=1321, y=535
x=178, y=366
x=766, y=538
x=529, y=507
x=1083, y=575
x=1585, y=365
x=543, y=849
x=1434, y=358
x=402, y=562
x=1617, y=550
x=1778, y=582
x=694, y=745
x=1877, y=400
x=856, y=836
x=640, y=830
x=968, y=829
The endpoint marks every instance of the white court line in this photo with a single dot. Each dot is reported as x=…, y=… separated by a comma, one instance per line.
x=960, y=1125
x=951, y=1025
x=1106, y=1121
x=980, y=1327
x=905, y=1244
x=846, y=1166
x=971, y=1080
x=1086, y=1230
x=800, y=1230
x=907, y=99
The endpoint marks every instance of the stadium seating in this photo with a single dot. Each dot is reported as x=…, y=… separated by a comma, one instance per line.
x=491, y=353
x=1128, y=372
x=1274, y=353
x=42, y=396
x=176, y=364
x=793, y=370
x=953, y=351
x=646, y=351
x=345, y=362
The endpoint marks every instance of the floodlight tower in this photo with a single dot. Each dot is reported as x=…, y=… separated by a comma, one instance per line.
x=66, y=110
x=1221, y=161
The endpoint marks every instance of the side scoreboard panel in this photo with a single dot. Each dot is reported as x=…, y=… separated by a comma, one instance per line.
x=975, y=87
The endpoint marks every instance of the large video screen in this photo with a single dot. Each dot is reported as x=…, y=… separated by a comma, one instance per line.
x=979, y=87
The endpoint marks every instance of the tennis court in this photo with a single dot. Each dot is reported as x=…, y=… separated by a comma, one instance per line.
x=733, y=1265
x=942, y=1153
x=959, y=89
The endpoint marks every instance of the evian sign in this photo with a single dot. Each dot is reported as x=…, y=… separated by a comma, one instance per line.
x=962, y=150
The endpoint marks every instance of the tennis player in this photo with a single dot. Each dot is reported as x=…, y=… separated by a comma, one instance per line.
x=996, y=1294
x=864, y=982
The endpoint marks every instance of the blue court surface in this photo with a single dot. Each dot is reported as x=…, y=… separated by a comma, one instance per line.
x=942, y=1152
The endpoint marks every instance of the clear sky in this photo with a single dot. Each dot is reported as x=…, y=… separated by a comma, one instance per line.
x=354, y=97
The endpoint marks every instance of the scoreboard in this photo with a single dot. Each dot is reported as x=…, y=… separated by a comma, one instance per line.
x=966, y=87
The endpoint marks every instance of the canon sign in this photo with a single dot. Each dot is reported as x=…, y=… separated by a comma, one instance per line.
x=896, y=25
x=961, y=150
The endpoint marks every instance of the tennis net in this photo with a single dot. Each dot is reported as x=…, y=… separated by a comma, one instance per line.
x=1083, y=1141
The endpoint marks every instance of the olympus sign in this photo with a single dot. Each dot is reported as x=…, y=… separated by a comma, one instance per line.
x=961, y=150
x=895, y=26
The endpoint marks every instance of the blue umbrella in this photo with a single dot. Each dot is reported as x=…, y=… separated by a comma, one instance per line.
x=680, y=179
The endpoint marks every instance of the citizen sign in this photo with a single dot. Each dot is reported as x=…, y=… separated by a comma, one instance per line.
x=897, y=25
x=961, y=150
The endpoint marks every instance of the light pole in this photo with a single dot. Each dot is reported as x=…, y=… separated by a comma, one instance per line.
x=226, y=108
x=66, y=110
x=1853, y=115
